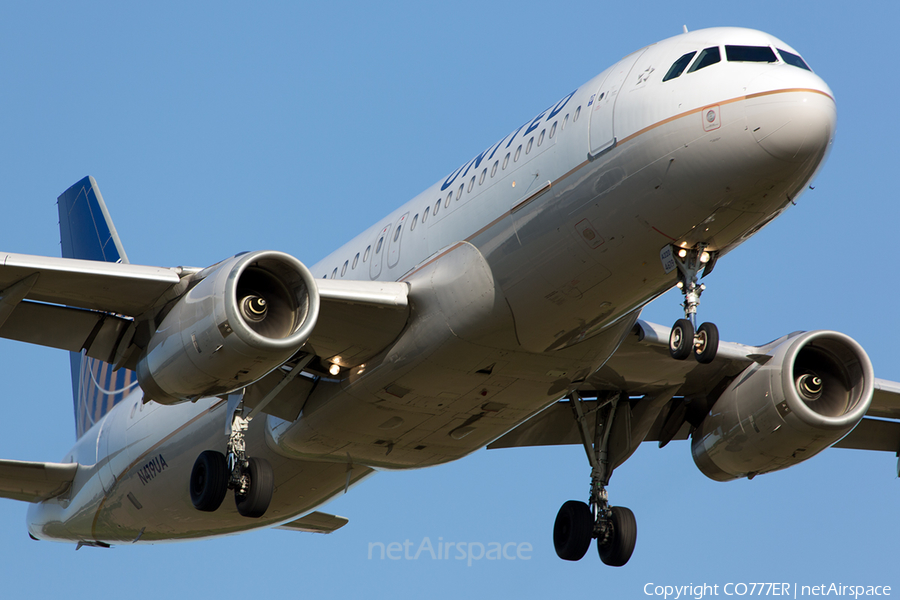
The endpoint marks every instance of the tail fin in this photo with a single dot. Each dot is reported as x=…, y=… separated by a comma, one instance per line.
x=87, y=232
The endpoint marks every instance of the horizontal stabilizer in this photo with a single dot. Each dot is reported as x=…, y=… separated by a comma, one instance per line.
x=316, y=522
x=35, y=481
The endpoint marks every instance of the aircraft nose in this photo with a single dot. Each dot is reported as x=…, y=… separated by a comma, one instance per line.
x=793, y=124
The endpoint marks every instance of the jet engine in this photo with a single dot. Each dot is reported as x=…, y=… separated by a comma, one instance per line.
x=805, y=395
x=246, y=316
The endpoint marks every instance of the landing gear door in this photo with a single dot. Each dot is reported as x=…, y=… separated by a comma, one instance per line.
x=602, y=105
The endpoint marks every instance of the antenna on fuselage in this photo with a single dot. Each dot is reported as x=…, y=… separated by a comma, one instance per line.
x=685, y=28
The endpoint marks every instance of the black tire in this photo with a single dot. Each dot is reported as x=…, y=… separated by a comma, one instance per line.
x=209, y=481
x=262, y=484
x=707, y=343
x=620, y=545
x=681, y=339
x=573, y=530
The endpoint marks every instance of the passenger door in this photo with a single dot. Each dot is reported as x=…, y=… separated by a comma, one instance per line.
x=604, y=103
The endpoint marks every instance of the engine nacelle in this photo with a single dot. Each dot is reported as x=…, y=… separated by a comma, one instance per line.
x=813, y=391
x=248, y=315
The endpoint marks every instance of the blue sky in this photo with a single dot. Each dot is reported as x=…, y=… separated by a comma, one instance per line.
x=222, y=127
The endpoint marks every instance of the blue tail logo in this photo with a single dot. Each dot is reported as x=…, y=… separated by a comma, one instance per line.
x=87, y=232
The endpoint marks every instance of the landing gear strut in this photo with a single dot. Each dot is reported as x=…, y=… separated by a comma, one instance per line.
x=214, y=474
x=686, y=338
x=614, y=527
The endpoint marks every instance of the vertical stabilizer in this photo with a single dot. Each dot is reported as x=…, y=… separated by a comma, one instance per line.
x=87, y=232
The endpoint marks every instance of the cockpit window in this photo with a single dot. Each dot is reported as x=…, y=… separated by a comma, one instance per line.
x=679, y=66
x=709, y=56
x=750, y=54
x=793, y=60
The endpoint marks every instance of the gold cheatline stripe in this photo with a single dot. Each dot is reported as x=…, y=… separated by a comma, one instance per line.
x=738, y=99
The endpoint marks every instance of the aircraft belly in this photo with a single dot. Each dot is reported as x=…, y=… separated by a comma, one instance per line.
x=437, y=406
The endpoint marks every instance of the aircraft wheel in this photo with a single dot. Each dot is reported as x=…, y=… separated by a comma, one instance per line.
x=707, y=343
x=620, y=544
x=573, y=530
x=255, y=502
x=681, y=339
x=209, y=481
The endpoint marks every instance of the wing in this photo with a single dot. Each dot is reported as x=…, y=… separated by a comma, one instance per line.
x=102, y=308
x=35, y=481
x=643, y=370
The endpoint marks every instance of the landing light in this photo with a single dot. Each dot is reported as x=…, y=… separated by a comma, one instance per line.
x=680, y=285
x=682, y=253
x=704, y=258
x=334, y=369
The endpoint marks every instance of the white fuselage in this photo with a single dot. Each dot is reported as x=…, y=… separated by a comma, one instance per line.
x=527, y=266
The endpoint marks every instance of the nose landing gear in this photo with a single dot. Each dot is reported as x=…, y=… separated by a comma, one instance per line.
x=686, y=338
x=614, y=527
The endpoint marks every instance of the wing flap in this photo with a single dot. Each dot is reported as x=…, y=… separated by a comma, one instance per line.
x=316, y=522
x=65, y=328
x=35, y=481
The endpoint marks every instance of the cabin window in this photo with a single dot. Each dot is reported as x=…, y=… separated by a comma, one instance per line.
x=334, y=273
x=565, y=121
x=679, y=66
x=437, y=207
x=762, y=54
x=793, y=60
x=528, y=147
x=355, y=261
x=505, y=160
x=709, y=56
x=541, y=137
x=450, y=196
x=494, y=168
x=344, y=268
x=553, y=130
x=577, y=112
x=425, y=214
x=397, y=233
x=483, y=175
x=414, y=221
x=378, y=247
x=366, y=253
x=518, y=153
x=471, y=184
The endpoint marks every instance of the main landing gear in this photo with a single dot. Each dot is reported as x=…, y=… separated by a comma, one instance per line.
x=251, y=478
x=686, y=338
x=614, y=527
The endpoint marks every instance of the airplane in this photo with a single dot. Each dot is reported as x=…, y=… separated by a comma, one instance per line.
x=500, y=307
